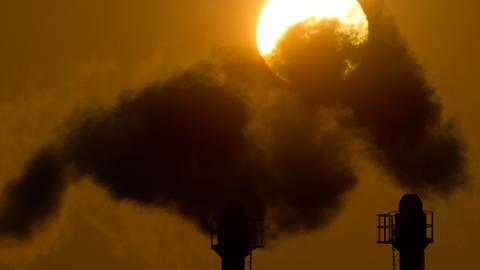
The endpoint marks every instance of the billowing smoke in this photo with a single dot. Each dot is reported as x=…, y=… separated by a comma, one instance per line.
x=386, y=90
x=229, y=130
x=194, y=144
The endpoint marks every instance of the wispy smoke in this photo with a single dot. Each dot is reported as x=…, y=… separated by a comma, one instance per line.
x=229, y=130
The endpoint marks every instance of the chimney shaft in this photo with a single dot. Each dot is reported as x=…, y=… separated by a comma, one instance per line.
x=410, y=231
x=234, y=237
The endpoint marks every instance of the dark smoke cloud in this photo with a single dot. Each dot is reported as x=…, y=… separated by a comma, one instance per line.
x=387, y=94
x=35, y=195
x=229, y=130
x=193, y=144
x=423, y=151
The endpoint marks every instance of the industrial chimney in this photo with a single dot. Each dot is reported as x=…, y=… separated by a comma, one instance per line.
x=410, y=231
x=234, y=237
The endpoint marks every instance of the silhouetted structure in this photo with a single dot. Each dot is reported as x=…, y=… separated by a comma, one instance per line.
x=234, y=237
x=410, y=231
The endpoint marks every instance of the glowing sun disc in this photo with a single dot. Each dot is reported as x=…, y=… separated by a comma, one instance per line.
x=278, y=15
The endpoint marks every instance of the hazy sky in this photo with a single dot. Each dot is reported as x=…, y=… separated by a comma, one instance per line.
x=58, y=57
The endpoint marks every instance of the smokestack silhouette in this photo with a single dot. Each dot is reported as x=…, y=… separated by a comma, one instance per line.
x=230, y=130
x=234, y=237
x=410, y=231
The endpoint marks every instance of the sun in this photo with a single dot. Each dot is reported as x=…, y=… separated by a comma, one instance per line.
x=278, y=15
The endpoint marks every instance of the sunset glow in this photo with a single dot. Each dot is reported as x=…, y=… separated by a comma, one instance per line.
x=278, y=15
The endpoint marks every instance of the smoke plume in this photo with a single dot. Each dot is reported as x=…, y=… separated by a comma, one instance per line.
x=385, y=88
x=229, y=130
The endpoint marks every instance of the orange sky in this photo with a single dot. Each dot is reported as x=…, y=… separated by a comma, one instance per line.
x=59, y=57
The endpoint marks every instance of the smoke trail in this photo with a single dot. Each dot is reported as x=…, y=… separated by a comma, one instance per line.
x=194, y=144
x=35, y=195
x=229, y=130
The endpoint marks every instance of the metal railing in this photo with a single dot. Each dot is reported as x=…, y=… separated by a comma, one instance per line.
x=387, y=225
x=255, y=235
